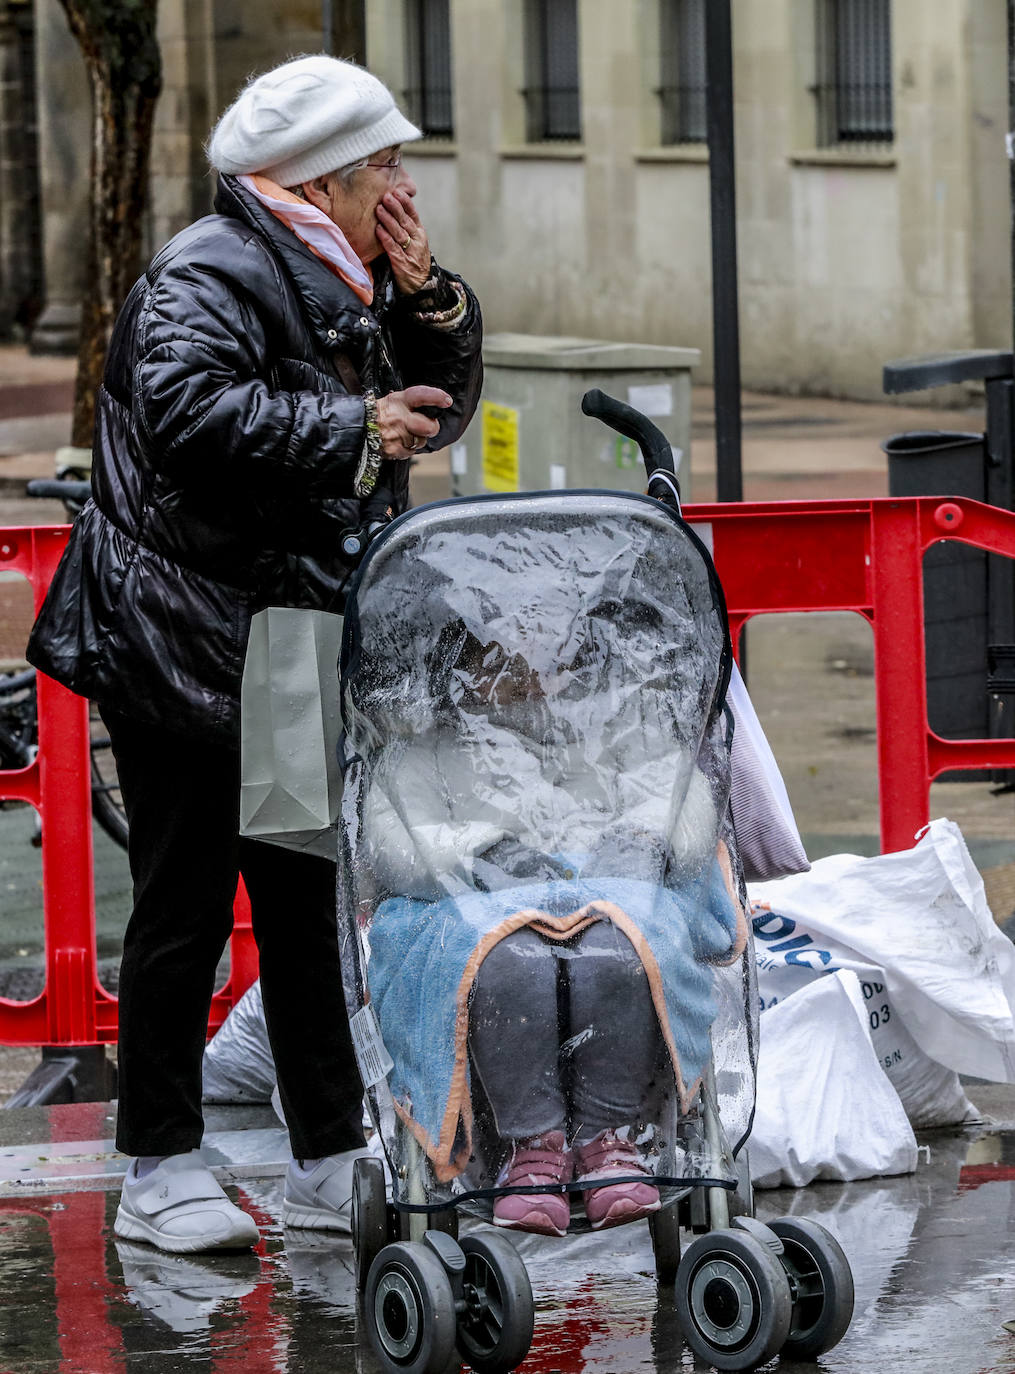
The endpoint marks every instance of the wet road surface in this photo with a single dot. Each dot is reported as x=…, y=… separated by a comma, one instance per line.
x=933, y=1257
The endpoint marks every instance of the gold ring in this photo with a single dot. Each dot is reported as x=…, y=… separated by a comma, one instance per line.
x=406, y=243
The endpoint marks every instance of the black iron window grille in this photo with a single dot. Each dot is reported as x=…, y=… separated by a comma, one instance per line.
x=428, y=64
x=21, y=268
x=552, y=94
x=854, y=72
x=682, y=71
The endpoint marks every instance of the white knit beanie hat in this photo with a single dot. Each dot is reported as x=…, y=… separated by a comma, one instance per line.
x=306, y=118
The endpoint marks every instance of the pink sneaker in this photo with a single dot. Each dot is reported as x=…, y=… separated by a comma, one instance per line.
x=614, y=1203
x=542, y=1160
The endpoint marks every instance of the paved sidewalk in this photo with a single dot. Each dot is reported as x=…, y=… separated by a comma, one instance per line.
x=811, y=676
x=932, y=1256
x=923, y=1247
x=36, y=397
x=803, y=448
x=795, y=447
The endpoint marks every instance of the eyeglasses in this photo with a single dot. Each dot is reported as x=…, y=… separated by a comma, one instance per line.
x=390, y=167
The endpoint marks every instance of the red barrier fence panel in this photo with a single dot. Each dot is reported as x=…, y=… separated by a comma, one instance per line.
x=73, y=1007
x=867, y=557
x=860, y=556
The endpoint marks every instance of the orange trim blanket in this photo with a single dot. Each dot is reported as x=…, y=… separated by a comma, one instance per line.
x=425, y=958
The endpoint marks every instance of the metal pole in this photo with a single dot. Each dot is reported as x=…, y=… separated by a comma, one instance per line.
x=722, y=195
x=327, y=27
x=1011, y=143
x=1000, y=439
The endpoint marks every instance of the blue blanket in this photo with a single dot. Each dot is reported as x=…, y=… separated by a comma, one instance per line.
x=424, y=957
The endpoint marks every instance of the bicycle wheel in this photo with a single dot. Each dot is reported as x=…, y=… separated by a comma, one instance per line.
x=18, y=735
x=107, y=803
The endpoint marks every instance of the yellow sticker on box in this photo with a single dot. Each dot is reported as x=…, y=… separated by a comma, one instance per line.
x=500, y=447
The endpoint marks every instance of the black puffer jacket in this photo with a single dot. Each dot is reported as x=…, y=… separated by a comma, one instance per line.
x=228, y=435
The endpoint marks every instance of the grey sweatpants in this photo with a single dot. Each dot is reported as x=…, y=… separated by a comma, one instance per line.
x=564, y=1036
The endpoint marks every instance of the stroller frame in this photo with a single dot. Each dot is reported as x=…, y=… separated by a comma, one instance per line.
x=743, y=1290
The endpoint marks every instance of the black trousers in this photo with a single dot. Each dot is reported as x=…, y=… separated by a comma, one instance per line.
x=182, y=800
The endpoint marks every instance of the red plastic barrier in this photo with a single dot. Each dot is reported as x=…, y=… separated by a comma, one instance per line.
x=862, y=556
x=865, y=556
x=73, y=1007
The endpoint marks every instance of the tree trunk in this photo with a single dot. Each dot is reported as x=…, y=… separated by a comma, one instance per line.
x=117, y=38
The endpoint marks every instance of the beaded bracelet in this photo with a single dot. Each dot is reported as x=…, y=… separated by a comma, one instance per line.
x=447, y=319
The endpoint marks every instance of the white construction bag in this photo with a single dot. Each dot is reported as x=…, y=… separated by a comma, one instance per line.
x=290, y=781
x=937, y=975
x=825, y=1108
x=238, y=1063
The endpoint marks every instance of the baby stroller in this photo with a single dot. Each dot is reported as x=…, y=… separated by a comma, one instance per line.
x=549, y=972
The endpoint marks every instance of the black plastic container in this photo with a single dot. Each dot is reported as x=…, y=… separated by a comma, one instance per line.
x=955, y=579
x=969, y=596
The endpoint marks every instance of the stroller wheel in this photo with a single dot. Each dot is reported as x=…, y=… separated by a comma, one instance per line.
x=495, y=1330
x=410, y=1310
x=369, y=1216
x=664, y=1228
x=733, y=1300
x=823, y=1282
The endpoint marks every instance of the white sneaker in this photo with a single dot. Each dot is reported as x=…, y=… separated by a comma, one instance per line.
x=322, y=1199
x=180, y=1207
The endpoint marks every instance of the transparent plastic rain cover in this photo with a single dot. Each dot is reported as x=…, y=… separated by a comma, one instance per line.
x=540, y=897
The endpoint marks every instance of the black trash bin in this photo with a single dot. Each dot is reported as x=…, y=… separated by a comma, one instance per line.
x=955, y=581
x=969, y=596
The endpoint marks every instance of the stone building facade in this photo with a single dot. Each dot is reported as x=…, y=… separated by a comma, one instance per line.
x=565, y=171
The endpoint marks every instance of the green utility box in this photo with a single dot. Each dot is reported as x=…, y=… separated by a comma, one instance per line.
x=529, y=433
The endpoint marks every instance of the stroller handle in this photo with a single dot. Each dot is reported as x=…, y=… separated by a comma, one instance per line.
x=655, y=447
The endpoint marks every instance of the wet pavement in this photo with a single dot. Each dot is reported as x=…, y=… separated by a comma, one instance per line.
x=932, y=1253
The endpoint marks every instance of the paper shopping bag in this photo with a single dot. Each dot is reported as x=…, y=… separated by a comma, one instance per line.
x=290, y=781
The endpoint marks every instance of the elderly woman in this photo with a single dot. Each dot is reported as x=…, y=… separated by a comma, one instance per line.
x=267, y=379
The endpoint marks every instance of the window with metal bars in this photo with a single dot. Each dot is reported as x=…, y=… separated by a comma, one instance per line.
x=21, y=269
x=854, y=73
x=552, y=93
x=682, y=71
x=428, y=66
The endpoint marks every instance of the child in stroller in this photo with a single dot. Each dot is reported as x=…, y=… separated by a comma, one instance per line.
x=566, y=1010
x=538, y=805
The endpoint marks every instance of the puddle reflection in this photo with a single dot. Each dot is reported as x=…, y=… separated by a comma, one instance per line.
x=181, y=1292
x=932, y=1255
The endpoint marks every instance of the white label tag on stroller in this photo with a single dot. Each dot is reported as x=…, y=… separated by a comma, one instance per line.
x=373, y=1059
